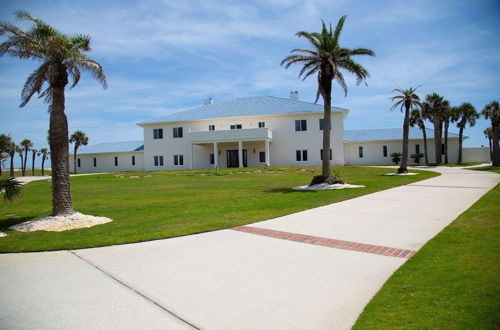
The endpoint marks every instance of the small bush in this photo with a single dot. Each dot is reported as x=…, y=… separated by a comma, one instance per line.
x=396, y=157
x=416, y=157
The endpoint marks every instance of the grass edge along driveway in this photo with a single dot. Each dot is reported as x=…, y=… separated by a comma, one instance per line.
x=451, y=283
x=154, y=205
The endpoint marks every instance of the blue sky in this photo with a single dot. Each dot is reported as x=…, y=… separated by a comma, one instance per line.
x=161, y=57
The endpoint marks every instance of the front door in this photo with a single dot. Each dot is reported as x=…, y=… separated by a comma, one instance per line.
x=232, y=158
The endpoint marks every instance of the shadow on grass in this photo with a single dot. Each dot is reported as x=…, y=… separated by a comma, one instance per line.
x=287, y=190
x=5, y=224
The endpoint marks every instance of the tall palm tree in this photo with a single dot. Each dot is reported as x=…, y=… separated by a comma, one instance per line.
x=61, y=56
x=491, y=112
x=34, y=153
x=465, y=114
x=407, y=100
x=80, y=139
x=417, y=118
x=20, y=152
x=44, y=153
x=12, y=147
x=488, y=133
x=27, y=145
x=328, y=59
x=449, y=116
x=434, y=108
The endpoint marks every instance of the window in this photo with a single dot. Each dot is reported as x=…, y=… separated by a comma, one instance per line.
x=236, y=126
x=158, y=160
x=262, y=124
x=262, y=156
x=360, y=152
x=133, y=160
x=300, y=125
x=177, y=132
x=442, y=149
x=157, y=133
x=211, y=127
x=321, y=154
x=178, y=160
x=116, y=161
x=384, y=151
x=95, y=162
x=212, y=159
x=79, y=163
x=417, y=148
x=321, y=124
x=301, y=155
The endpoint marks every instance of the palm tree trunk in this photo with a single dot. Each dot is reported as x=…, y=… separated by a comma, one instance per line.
x=460, y=136
x=74, y=158
x=437, y=141
x=496, y=148
x=25, y=161
x=326, y=88
x=406, y=129
x=59, y=149
x=12, y=154
x=424, y=133
x=446, y=126
x=22, y=162
x=491, y=148
x=43, y=164
x=33, y=164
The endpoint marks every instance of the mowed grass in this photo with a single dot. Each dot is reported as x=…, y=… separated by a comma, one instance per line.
x=494, y=169
x=174, y=203
x=453, y=282
x=17, y=173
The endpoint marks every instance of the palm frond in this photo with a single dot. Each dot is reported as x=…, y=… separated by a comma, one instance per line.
x=34, y=83
x=11, y=188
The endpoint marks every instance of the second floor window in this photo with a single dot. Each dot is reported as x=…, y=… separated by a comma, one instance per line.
x=158, y=133
x=178, y=132
x=300, y=125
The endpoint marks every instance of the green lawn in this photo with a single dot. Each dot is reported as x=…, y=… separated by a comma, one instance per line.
x=174, y=203
x=460, y=165
x=487, y=168
x=453, y=282
x=38, y=171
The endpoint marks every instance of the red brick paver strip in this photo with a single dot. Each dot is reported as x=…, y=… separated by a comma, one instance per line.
x=328, y=242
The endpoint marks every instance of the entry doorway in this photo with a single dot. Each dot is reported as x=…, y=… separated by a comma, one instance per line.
x=233, y=160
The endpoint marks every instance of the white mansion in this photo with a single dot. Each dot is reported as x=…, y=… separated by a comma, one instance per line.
x=250, y=131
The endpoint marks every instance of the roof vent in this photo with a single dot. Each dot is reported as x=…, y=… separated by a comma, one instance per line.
x=294, y=96
x=208, y=101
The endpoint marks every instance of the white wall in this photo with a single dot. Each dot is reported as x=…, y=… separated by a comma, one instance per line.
x=479, y=154
x=282, y=147
x=105, y=162
x=373, y=151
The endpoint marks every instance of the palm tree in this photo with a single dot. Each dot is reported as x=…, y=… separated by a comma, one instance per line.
x=417, y=118
x=328, y=59
x=488, y=133
x=449, y=115
x=491, y=112
x=11, y=188
x=465, y=114
x=407, y=100
x=27, y=145
x=80, y=139
x=20, y=152
x=12, y=147
x=34, y=153
x=434, y=108
x=61, y=56
x=44, y=153
x=5, y=141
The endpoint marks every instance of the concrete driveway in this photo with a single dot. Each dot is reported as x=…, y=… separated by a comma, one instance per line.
x=314, y=269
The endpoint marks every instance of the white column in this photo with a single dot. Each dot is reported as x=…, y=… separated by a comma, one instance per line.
x=240, y=154
x=268, y=156
x=216, y=155
x=191, y=158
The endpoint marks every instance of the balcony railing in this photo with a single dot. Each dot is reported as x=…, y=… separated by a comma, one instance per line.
x=248, y=134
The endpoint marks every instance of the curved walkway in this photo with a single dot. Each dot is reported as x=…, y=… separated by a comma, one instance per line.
x=314, y=269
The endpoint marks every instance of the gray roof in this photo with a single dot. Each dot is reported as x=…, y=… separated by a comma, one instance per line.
x=101, y=148
x=244, y=107
x=360, y=135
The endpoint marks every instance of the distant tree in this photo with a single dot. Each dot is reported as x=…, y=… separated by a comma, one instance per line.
x=34, y=153
x=434, y=107
x=396, y=157
x=449, y=116
x=79, y=139
x=44, y=153
x=26, y=145
x=12, y=152
x=417, y=118
x=491, y=112
x=20, y=152
x=407, y=100
x=5, y=141
x=62, y=56
x=327, y=58
x=488, y=133
x=10, y=188
x=465, y=114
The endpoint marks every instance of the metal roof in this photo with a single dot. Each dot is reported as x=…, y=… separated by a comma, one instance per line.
x=361, y=135
x=101, y=148
x=244, y=107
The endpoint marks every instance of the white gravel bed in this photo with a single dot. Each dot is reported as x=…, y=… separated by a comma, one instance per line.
x=326, y=186
x=393, y=174
x=61, y=223
x=2, y=234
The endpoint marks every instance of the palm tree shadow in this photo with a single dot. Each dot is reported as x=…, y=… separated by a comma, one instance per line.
x=5, y=224
x=286, y=190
